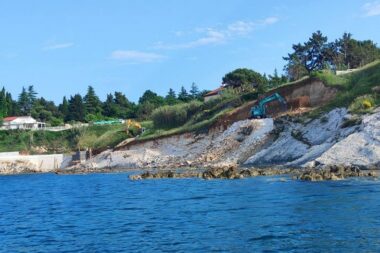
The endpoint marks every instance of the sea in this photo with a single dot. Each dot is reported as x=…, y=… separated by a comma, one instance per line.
x=110, y=213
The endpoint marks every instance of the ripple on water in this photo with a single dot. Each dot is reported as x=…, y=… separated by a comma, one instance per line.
x=109, y=213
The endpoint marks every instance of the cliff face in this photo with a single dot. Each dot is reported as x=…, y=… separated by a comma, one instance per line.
x=235, y=144
x=359, y=148
x=287, y=142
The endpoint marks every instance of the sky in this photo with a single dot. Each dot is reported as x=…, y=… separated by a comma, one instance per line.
x=62, y=47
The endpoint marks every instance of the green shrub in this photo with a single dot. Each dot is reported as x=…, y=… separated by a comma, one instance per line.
x=169, y=116
x=56, y=122
x=192, y=107
x=362, y=104
x=250, y=96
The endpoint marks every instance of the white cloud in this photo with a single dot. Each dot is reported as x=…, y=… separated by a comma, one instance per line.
x=240, y=27
x=58, y=46
x=210, y=37
x=270, y=21
x=213, y=36
x=371, y=9
x=133, y=56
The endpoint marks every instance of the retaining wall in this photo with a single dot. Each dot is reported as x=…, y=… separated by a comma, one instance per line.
x=41, y=163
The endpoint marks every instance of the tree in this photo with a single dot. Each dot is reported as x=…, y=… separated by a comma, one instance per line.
x=92, y=102
x=145, y=110
x=32, y=94
x=77, y=110
x=194, y=91
x=313, y=54
x=24, y=102
x=109, y=106
x=41, y=111
x=171, y=97
x=147, y=103
x=3, y=104
x=64, y=108
x=294, y=67
x=12, y=106
x=276, y=80
x=151, y=97
x=244, y=79
x=317, y=54
x=183, y=95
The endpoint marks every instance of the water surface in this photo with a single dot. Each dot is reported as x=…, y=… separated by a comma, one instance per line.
x=109, y=213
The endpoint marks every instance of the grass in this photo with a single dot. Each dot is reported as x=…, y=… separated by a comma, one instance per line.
x=96, y=137
x=330, y=79
x=351, y=87
x=101, y=137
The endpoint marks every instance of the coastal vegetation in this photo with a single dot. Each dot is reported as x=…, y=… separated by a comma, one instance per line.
x=186, y=111
x=96, y=137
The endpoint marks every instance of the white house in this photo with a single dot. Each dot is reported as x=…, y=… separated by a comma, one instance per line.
x=21, y=122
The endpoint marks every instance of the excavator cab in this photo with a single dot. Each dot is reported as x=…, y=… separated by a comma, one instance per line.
x=259, y=111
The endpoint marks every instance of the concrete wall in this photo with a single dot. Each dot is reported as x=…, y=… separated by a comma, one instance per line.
x=40, y=163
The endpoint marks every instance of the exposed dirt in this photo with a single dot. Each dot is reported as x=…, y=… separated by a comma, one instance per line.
x=300, y=97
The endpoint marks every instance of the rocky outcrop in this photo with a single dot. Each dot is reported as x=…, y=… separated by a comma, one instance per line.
x=301, y=141
x=228, y=171
x=334, y=172
x=361, y=148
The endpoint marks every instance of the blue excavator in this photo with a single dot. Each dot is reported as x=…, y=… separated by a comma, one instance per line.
x=259, y=111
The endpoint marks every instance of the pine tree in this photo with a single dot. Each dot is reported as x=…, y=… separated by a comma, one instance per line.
x=23, y=102
x=109, y=106
x=92, y=102
x=183, y=95
x=171, y=97
x=12, y=106
x=274, y=80
x=3, y=104
x=32, y=95
x=64, y=108
x=194, y=91
x=77, y=110
x=124, y=109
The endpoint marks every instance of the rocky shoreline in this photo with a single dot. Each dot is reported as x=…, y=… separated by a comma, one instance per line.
x=335, y=137
x=331, y=172
x=306, y=148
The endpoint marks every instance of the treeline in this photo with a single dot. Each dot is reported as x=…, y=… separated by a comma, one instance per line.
x=88, y=108
x=318, y=53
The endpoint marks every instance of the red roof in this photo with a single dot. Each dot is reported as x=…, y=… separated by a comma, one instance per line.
x=214, y=92
x=10, y=118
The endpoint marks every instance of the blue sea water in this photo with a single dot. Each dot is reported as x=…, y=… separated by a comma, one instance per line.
x=109, y=213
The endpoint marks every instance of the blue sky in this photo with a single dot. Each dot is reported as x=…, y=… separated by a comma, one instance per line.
x=61, y=47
